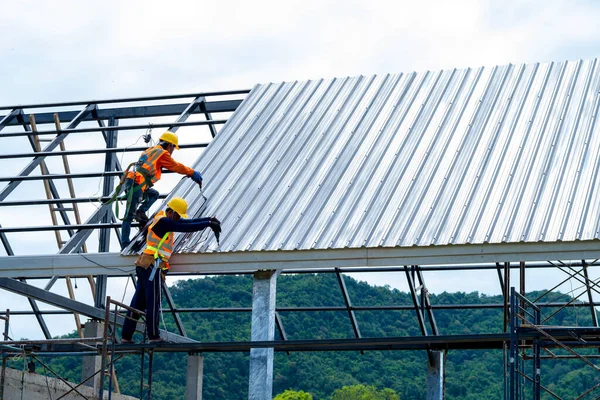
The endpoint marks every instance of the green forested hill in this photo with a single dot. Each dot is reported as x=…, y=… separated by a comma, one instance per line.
x=469, y=374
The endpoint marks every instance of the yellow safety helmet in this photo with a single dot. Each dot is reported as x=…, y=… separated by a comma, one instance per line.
x=178, y=205
x=170, y=137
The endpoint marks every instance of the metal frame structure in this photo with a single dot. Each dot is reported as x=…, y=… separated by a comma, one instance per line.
x=140, y=114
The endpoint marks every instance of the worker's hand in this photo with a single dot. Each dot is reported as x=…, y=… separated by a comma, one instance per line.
x=196, y=177
x=214, y=224
x=163, y=274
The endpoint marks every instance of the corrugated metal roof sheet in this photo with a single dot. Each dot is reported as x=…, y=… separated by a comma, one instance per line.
x=488, y=155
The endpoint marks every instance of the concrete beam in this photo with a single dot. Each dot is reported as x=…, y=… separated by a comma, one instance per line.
x=195, y=370
x=114, y=264
x=91, y=364
x=435, y=375
x=263, y=329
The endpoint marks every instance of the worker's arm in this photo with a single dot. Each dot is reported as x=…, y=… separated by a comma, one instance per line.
x=165, y=225
x=166, y=161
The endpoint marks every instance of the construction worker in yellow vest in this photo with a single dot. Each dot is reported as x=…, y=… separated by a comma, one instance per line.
x=158, y=250
x=138, y=184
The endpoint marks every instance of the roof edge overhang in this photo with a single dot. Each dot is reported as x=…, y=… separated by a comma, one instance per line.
x=113, y=264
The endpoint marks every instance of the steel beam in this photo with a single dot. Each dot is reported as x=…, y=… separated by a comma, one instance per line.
x=55, y=201
x=76, y=241
x=56, y=300
x=38, y=316
x=413, y=294
x=230, y=262
x=18, y=114
x=131, y=99
x=589, y=293
x=111, y=174
x=280, y=327
x=49, y=228
x=119, y=128
x=52, y=145
x=110, y=163
x=4, y=122
x=163, y=110
x=208, y=116
x=90, y=151
x=52, y=186
x=442, y=342
x=171, y=304
x=348, y=303
x=279, y=310
x=426, y=303
x=184, y=115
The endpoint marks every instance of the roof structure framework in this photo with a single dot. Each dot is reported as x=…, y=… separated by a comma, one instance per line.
x=475, y=170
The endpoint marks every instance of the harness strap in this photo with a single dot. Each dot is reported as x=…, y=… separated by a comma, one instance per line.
x=156, y=249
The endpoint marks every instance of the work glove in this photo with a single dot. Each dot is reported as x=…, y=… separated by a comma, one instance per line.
x=215, y=225
x=196, y=177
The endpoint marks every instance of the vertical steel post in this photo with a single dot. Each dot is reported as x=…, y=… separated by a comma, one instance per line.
x=104, y=347
x=3, y=375
x=100, y=289
x=522, y=313
x=142, y=375
x=108, y=183
x=514, y=350
x=260, y=385
x=589, y=293
x=150, y=361
x=537, y=360
x=348, y=303
x=506, y=293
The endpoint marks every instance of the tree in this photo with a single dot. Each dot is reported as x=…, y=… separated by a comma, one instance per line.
x=293, y=395
x=362, y=392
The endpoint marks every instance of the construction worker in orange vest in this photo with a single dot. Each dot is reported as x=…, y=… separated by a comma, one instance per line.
x=138, y=185
x=157, y=253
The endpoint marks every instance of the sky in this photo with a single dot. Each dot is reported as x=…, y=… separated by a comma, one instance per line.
x=53, y=51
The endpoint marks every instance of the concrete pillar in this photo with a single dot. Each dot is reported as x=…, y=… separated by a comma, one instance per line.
x=193, y=384
x=263, y=329
x=91, y=364
x=435, y=376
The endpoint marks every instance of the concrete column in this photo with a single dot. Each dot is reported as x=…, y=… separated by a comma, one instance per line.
x=435, y=376
x=263, y=329
x=193, y=384
x=91, y=364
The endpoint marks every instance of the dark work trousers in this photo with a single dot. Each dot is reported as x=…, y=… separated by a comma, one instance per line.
x=147, y=299
x=144, y=200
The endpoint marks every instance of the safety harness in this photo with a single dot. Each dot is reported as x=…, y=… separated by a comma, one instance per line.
x=144, y=185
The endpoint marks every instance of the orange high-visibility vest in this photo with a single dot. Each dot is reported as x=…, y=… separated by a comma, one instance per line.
x=157, y=246
x=147, y=166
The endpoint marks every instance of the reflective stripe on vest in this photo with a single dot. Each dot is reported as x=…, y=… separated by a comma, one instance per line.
x=147, y=165
x=157, y=246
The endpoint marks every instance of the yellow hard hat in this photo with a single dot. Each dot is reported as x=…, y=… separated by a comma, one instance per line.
x=170, y=137
x=178, y=205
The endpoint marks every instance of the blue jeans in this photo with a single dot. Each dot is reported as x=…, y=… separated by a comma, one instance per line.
x=147, y=299
x=149, y=197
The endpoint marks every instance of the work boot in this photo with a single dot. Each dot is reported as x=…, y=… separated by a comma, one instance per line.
x=141, y=217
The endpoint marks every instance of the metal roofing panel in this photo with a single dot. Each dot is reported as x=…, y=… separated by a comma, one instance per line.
x=488, y=155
